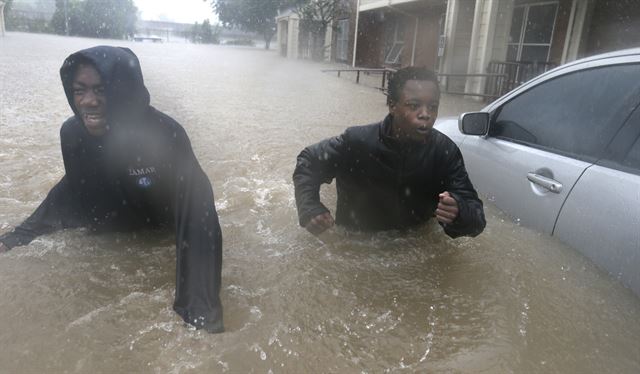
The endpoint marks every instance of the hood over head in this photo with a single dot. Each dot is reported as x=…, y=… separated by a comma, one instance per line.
x=119, y=69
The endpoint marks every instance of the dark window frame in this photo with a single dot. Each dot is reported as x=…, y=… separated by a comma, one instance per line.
x=342, y=44
x=520, y=44
x=625, y=141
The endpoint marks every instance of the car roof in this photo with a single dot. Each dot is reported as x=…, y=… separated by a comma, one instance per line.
x=602, y=56
x=566, y=68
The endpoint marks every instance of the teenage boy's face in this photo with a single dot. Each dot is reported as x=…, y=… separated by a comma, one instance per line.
x=416, y=110
x=89, y=99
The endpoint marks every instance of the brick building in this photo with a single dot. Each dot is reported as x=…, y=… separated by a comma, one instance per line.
x=467, y=38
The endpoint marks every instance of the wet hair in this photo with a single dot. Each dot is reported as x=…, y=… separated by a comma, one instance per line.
x=400, y=77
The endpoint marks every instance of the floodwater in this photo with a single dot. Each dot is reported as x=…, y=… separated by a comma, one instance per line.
x=509, y=301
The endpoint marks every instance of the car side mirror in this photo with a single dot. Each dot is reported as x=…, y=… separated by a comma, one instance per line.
x=475, y=123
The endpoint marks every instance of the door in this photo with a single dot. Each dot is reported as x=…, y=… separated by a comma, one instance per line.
x=541, y=142
x=342, y=40
x=394, y=45
x=601, y=217
x=532, y=32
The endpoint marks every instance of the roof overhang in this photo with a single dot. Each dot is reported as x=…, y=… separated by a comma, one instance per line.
x=366, y=5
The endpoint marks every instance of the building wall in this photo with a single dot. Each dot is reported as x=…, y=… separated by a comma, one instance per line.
x=281, y=36
x=485, y=14
x=328, y=42
x=483, y=37
x=458, y=30
x=287, y=32
x=350, y=13
x=482, y=42
x=426, y=51
x=560, y=31
x=293, y=35
x=370, y=40
x=462, y=40
x=377, y=26
x=2, y=18
x=614, y=25
x=606, y=25
x=377, y=4
x=367, y=2
x=502, y=28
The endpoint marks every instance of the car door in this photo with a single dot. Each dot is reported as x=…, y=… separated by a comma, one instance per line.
x=543, y=139
x=601, y=216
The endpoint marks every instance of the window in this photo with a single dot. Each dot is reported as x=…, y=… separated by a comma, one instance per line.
x=531, y=32
x=576, y=114
x=633, y=157
x=342, y=44
x=395, y=43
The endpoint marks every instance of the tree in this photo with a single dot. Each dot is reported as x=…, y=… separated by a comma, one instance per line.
x=30, y=18
x=195, y=33
x=204, y=33
x=109, y=18
x=95, y=18
x=316, y=16
x=249, y=15
x=72, y=23
x=209, y=36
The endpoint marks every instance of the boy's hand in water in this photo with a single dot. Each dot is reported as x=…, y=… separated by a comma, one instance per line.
x=447, y=210
x=320, y=223
x=3, y=248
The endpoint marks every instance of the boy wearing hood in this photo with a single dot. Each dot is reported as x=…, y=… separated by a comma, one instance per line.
x=130, y=166
x=393, y=174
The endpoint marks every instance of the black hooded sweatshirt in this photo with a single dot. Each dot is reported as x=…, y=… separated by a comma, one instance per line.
x=141, y=173
x=385, y=184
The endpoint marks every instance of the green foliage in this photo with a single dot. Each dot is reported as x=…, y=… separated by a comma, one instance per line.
x=74, y=22
x=110, y=18
x=244, y=42
x=95, y=18
x=249, y=15
x=194, y=36
x=205, y=33
x=315, y=17
x=16, y=21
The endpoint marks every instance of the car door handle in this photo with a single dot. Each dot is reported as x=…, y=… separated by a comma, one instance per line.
x=544, y=182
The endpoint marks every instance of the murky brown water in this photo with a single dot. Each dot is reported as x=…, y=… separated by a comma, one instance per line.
x=510, y=300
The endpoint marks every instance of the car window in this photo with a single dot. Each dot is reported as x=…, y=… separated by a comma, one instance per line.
x=575, y=114
x=633, y=157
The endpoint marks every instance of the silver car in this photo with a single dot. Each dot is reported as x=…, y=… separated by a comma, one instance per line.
x=561, y=154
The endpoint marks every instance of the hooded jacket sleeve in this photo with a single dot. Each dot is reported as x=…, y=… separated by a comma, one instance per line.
x=198, y=243
x=56, y=212
x=59, y=210
x=316, y=164
x=470, y=220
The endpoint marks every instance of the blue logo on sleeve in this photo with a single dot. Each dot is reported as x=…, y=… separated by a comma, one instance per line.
x=143, y=175
x=144, y=182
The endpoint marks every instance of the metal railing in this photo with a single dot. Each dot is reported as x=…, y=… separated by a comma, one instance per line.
x=385, y=72
x=516, y=74
x=490, y=93
x=501, y=77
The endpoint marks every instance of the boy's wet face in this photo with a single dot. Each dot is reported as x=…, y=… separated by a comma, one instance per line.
x=89, y=99
x=416, y=110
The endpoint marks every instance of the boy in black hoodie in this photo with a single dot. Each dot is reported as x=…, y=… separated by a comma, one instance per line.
x=393, y=174
x=129, y=166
